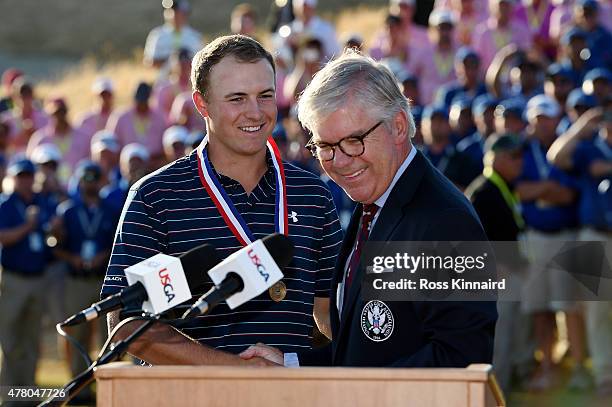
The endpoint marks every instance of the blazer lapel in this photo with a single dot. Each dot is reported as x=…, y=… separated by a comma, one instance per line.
x=345, y=251
x=400, y=196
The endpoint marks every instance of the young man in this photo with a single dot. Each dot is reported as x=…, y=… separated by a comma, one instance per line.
x=176, y=209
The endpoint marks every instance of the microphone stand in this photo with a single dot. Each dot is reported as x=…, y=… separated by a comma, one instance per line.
x=118, y=349
x=85, y=378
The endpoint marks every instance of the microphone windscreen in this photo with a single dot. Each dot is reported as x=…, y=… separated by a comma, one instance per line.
x=196, y=263
x=280, y=248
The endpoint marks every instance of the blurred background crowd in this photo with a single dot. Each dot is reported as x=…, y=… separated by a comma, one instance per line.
x=534, y=69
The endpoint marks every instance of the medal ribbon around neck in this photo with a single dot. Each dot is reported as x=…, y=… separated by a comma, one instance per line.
x=226, y=208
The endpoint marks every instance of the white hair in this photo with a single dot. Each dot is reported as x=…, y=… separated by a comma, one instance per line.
x=359, y=79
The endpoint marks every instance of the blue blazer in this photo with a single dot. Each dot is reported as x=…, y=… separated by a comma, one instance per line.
x=423, y=206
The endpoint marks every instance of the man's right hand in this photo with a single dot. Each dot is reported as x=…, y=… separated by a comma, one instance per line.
x=260, y=362
x=266, y=352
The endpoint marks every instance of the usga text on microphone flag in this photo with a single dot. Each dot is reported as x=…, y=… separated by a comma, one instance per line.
x=165, y=280
x=256, y=267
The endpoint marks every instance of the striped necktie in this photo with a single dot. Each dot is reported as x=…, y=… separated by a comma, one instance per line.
x=369, y=211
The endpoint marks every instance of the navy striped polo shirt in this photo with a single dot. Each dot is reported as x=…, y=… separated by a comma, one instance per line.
x=169, y=211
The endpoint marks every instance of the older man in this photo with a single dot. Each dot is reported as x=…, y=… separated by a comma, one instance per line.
x=362, y=126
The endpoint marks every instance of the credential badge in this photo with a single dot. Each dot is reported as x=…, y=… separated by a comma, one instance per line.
x=377, y=321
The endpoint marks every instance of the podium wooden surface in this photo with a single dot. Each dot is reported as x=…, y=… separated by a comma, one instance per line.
x=122, y=384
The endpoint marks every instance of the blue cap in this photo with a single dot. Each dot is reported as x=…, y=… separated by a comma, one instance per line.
x=578, y=98
x=464, y=53
x=21, y=166
x=557, y=69
x=513, y=106
x=588, y=4
x=573, y=33
x=482, y=103
x=88, y=169
x=434, y=110
x=598, y=73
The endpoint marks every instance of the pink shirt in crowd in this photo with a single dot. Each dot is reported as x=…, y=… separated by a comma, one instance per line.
x=184, y=113
x=130, y=128
x=481, y=7
x=464, y=30
x=13, y=119
x=417, y=43
x=488, y=39
x=395, y=63
x=93, y=122
x=417, y=38
x=164, y=95
x=433, y=69
x=561, y=19
x=74, y=147
x=538, y=22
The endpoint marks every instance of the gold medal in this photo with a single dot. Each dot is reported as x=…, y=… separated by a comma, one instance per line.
x=278, y=291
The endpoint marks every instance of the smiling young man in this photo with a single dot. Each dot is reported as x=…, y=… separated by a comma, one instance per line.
x=173, y=211
x=362, y=126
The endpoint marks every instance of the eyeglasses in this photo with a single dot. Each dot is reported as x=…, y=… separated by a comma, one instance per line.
x=351, y=146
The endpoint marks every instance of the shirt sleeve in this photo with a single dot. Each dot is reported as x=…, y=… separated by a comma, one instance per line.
x=112, y=125
x=291, y=360
x=140, y=235
x=330, y=246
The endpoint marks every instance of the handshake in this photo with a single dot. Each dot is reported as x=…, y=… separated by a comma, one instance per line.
x=269, y=356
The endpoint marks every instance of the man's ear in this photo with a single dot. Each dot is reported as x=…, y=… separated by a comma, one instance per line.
x=400, y=127
x=200, y=103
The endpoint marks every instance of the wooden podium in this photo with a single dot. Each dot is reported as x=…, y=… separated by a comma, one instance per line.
x=122, y=384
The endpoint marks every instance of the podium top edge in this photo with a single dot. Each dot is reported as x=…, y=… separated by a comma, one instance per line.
x=475, y=373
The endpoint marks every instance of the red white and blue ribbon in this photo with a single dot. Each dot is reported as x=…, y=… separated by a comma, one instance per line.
x=226, y=208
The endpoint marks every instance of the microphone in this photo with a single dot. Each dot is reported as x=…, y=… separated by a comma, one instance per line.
x=157, y=283
x=245, y=274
